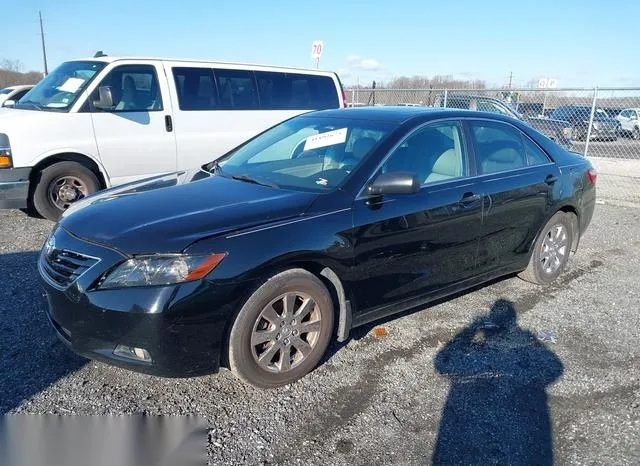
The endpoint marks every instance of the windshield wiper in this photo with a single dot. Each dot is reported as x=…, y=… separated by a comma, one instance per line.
x=35, y=105
x=250, y=179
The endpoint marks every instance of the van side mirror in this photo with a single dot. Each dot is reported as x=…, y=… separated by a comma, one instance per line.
x=394, y=183
x=106, y=98
x=9, y=103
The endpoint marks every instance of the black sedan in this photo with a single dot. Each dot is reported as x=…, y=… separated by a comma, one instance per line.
x=325, y=222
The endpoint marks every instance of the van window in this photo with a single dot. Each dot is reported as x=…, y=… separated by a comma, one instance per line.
x=134, y=89
x=196, y=88
x=294, y=91
x=237, y=89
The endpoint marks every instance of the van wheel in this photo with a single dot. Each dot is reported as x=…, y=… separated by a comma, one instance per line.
x=60, y=185
x=550, y=251
x=282, y=331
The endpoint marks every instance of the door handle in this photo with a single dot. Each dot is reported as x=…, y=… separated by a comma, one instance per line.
x=551, y=179
x=469, y=199
x=168, y=123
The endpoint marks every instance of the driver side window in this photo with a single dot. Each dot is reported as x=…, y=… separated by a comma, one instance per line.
x=134, y=88
x=434, y=153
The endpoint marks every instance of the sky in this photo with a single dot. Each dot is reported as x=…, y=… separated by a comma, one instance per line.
x=579, y=43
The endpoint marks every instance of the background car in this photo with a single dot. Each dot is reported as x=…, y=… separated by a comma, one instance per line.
x=630, y=122
x=13, y=93
x=557, y=129
x=604, y=127
x=342, y=216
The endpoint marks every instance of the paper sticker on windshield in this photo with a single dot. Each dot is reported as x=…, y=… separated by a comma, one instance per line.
x=71, y=85
x=330, y=138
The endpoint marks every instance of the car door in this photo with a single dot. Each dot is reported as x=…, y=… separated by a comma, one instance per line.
x=135, y=136
x=624, y=119
x=518, y=180
x=409, y=245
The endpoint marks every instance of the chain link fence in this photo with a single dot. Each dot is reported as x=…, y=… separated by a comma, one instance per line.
x=603, y=124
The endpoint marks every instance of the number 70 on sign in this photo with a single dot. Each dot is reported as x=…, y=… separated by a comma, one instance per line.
x=316, y=49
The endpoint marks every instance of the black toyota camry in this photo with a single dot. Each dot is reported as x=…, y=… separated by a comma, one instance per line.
x=322, y=223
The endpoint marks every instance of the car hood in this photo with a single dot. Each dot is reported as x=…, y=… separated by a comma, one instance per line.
x=165, y=214
x=550, y=121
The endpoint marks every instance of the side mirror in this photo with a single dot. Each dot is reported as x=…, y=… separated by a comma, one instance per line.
x=9, y=103
x=106, y=98
x=394, y=183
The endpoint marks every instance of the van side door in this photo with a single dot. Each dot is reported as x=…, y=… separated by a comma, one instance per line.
x=135, y=137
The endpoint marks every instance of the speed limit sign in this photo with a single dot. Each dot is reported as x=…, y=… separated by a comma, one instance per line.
x=316, y=49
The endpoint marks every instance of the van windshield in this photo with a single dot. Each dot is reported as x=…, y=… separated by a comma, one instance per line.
x=60, y=88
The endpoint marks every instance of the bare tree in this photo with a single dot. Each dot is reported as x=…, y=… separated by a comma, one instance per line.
x=11, y=74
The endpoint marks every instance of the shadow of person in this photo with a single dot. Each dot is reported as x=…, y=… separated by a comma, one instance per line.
x=496, y=411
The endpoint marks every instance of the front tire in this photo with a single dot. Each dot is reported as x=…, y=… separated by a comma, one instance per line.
x=635, y=134
x=550, y=251
x=60, y=185
x=282, y=331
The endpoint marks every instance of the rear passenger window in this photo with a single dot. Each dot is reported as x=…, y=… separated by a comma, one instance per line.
x=196, y=88
x=293, y=91
x=237, y=89
x=498, y=147
x=535, y=155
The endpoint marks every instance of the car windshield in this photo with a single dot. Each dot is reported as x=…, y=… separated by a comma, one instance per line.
x=306, y=153
x=60, y=89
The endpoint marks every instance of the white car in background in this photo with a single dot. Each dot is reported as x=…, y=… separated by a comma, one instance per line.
x=13, y=94
x=630, y=122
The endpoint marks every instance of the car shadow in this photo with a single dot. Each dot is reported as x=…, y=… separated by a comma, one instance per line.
x=31, y=356
x=496, y=411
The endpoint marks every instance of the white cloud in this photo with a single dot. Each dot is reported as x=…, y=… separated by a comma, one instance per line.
x=367, y=64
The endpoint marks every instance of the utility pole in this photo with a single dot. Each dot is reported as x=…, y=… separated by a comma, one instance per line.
x=510, y=79
x=44, y=51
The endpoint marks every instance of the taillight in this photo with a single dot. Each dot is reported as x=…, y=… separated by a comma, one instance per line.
x=592, y=174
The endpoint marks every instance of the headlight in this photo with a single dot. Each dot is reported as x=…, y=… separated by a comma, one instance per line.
x=160, y=270
x=6, y=160
x=566, y=132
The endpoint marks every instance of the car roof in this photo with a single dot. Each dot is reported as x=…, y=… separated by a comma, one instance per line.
x=400, y=114
x=19, y=86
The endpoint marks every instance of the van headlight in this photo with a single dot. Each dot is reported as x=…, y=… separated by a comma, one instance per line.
x=160, y=270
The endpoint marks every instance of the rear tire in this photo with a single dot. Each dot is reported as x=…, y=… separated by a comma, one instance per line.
x=60, y=185
x=551, y=250
x=282, y=331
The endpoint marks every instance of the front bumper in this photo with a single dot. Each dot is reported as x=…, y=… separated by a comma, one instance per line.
x=182, y=327
x=14, y=187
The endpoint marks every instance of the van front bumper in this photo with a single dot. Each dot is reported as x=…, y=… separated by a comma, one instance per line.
x=14, y=187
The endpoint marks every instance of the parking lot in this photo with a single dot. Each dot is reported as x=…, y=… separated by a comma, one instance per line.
x=564, y=380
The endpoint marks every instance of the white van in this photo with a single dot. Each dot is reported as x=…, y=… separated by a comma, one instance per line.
x=96, y=123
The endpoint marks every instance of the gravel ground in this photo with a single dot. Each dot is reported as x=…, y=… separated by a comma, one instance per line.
x=465, y=380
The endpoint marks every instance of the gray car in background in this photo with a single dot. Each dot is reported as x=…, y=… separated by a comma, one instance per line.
x=559, y=131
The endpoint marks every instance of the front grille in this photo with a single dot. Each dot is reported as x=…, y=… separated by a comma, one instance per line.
x=63, y=267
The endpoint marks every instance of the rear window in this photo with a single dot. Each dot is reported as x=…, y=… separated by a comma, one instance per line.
x=291, y=91
x=5, y=91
